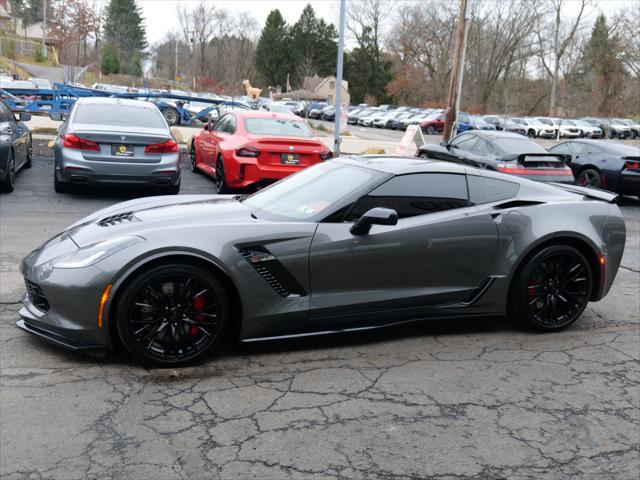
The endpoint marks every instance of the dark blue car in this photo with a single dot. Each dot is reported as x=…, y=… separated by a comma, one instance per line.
x=604, y=164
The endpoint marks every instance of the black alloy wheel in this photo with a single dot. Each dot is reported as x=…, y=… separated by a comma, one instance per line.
x=531, y=134
x=590, y=178
x=172, y=315
x=29, y=162
x=553, y=288
x=9, y=182
x=220, y=178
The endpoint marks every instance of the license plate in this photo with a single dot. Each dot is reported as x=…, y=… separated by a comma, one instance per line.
x=290, y=158
x=122, y=150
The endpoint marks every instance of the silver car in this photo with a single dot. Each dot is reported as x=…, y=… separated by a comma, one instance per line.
x=116, y=142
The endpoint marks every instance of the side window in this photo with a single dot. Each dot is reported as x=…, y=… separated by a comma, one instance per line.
x=481, y=147
x=415, y=194
x=487, y=190
x=6, y=115
x=464, y=142
x=563, y=148
x=231, y=124
x=221, y=124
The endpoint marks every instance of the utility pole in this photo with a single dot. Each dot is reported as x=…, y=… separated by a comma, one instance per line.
x=44, y=28
x=455, y=89
x=336, y=128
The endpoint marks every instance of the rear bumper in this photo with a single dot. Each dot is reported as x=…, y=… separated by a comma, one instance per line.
x=70, y=166
x=248, y=171
x=629, y=183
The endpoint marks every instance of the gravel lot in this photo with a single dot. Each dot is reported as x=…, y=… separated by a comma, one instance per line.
x=463, y=400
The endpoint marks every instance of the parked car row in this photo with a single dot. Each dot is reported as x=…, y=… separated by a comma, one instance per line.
x=592, y=163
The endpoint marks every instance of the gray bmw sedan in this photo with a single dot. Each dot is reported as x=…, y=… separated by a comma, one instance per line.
x=116, y=141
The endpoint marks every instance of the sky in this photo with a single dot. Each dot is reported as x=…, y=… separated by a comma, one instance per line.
x=160, y=15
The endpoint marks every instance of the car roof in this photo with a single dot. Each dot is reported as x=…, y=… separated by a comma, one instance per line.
x=396, y=165
x=616, y=147
x=495, y=134
x=265, y=114
x=114, y=101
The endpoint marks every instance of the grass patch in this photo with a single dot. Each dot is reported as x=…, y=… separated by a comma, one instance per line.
x=11, y=68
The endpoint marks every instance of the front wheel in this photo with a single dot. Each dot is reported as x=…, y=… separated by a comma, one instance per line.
x=552, y=289
x=172, y=315
x=531, y=134
x=193, y=156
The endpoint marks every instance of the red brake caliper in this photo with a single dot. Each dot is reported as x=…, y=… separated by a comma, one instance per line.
x=532, y=290
x=198, y=304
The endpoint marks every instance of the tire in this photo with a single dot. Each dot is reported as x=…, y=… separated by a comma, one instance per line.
x=590, y=177
x=193, y=158
x=531, y=134
x=551, y=290
x=8, y=184
x=431, y=130
x=172, y=315
x=220, y=178
x=60, y=187
x=612, y=134
x=29, y=162
x=173, y=189
x=423, y=155
x=172, y=116
x=633, y=135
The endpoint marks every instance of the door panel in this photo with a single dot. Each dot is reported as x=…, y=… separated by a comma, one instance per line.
x=401, y=270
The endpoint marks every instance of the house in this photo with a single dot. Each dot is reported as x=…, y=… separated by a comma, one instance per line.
x=318, y=88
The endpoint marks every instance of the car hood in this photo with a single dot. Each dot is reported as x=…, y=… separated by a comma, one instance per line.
x=143, y=216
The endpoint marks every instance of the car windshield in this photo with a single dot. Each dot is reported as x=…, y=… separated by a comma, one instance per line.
x=312, y=193
x=277, y=127
x=517, y=146
x=118, y=115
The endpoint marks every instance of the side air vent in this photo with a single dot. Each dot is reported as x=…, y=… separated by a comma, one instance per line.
x=517, y=203
x=116, y=219
x=272, y=271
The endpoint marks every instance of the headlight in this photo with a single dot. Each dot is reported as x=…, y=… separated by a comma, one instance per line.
x=98, y=251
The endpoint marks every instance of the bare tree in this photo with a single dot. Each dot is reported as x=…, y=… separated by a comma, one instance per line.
x=199, y=25
x=562, y=37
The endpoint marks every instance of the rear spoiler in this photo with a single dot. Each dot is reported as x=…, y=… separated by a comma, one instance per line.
x=593, y=193
x=533, y=157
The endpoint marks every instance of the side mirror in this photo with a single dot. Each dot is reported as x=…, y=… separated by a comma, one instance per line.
x=24, y=116
x=58, y=117
x=375, y=216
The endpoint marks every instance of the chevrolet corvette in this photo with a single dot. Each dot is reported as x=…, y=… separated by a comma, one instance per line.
x=349, y=244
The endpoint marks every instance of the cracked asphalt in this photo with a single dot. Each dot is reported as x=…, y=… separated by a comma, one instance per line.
x=466, y=400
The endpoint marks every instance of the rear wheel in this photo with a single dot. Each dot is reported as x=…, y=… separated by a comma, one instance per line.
x=193, y=157
x=590, y=178
x=171, y=115
x=60, y=187
x=633, y=134
x=173, y=189
x=531, y=134
x=612, y=134
x=172, y=315
x=220, y=178
x=9, y=182
x=29, y=161
x=552, y=289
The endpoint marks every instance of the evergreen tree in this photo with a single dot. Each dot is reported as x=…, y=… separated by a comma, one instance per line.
x=603, y=58
x=272, y=51
x=367, y=71
x=125, y=33
x=30, y=10
x=327, y=49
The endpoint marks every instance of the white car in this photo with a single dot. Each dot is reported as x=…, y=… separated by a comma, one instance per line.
x=633, y=125
x=586, y=129
x=535, y=128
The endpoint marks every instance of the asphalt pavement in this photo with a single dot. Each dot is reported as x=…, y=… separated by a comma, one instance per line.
x=476, y=399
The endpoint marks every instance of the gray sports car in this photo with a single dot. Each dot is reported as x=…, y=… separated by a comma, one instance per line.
x=348, y=244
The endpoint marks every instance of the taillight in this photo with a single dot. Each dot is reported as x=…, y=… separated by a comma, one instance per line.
x=247, y=152
x=73, y=141
x=326, y=155
x=632, y=165
x=170, y=146
x=514, y=169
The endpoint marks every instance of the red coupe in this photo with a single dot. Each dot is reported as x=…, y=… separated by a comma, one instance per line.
x=249, y=148
x=433, y=124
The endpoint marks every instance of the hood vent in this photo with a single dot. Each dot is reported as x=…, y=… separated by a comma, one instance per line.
x=117, y=219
